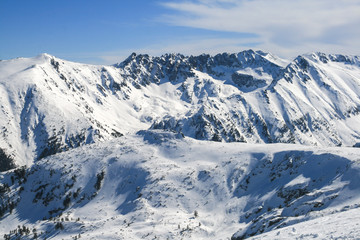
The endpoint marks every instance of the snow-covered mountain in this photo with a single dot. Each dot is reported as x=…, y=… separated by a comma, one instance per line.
x=159, y=185
x=114, y=152
x=49, y=105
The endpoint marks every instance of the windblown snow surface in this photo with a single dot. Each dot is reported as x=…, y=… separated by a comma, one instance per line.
x=232, y=146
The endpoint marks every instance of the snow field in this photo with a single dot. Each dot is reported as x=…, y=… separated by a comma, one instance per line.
x=158, y=184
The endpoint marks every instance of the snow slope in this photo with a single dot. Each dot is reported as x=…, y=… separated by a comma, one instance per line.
x=342, y=225
x=160, y=185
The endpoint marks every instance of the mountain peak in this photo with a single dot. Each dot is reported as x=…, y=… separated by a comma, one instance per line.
x=326, y=58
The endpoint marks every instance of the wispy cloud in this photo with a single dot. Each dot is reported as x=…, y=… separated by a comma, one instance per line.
x=285, y=27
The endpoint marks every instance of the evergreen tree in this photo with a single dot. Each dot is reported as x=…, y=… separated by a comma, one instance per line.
x=6, y=161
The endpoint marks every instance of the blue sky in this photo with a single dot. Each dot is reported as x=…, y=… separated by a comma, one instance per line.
x=107, y=31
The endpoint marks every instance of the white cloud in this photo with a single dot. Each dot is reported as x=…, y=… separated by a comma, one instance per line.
x=285, y=27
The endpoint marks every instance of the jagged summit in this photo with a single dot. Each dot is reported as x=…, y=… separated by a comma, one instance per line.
x=177, y=67
x=227, y=59
x=326, y=58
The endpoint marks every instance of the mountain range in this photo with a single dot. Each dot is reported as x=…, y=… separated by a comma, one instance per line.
x=49, y=105
x=199, y=147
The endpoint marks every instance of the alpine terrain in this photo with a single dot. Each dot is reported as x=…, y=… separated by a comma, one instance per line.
x=231, y=146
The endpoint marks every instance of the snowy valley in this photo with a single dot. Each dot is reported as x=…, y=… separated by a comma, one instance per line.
x=230, y=146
